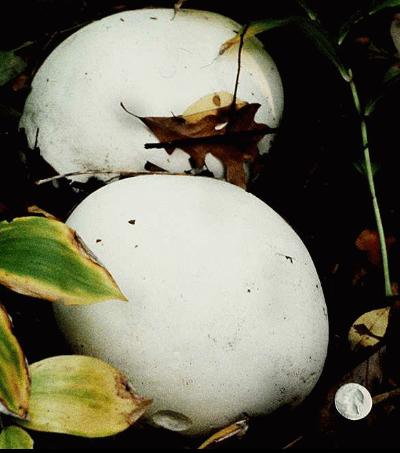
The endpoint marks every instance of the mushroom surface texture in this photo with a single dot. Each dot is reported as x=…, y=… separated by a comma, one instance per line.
x=156, y=66
x=225, y=313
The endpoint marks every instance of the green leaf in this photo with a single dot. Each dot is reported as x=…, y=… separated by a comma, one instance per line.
x=14, y=375
x=346, y=26
x=361, y=167
x=390, y=81
x=379, y=5
x=11, y=65
x=310, y=28
x=15, y=438
x=324, y=44
x=82, y=396
x=255, y=28
x=310, y=12
x=44, y=258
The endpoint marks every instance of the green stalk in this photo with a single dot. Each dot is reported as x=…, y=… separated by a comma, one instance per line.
x=371, y=184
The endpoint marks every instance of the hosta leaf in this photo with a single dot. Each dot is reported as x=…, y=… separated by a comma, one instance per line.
x=14, y=375
x=44, y=258
x=15, y=438
x=82, y=396
x=369, y=329
x=11, y=65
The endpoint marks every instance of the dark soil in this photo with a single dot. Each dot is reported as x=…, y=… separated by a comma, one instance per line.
x=309, y=178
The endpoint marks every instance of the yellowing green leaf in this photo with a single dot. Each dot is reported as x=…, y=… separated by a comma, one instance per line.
x=14, y=375
x=82, y=396
x=44, y=258
x=15, y=438
x=369, y=329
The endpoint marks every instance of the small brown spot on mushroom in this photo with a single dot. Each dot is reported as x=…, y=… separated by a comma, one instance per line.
x=153, y=18
x=217, y=100
x=98, y=240
x=132, y=222
x=249, y=290
x=121, y=19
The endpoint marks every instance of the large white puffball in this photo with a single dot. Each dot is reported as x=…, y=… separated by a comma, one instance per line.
x=226, y=314
x=156, y=66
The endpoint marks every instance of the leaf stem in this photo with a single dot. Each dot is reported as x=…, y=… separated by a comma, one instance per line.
x=371, y=184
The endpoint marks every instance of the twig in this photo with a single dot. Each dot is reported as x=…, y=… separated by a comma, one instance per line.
x=383, y=397
x=177, y=6
x=100, y=172
x=242, y=35
x=293, y=443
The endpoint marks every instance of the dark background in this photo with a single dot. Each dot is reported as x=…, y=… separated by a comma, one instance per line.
x=309, y=178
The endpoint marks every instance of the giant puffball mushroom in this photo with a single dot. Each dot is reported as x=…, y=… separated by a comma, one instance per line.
x=225, y=313
x=156, y=66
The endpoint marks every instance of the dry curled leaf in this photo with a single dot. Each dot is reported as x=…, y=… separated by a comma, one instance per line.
x=238, y=428
x=229, y=133
x=369, y=329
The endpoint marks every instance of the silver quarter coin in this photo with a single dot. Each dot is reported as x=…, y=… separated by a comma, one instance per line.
x=353, y=401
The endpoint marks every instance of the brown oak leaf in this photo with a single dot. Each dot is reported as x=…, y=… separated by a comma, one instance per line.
x=228, y=133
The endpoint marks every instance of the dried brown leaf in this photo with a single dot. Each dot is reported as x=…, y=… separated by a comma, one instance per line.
x=369, y=329
x=238, y=429
x=229, y=133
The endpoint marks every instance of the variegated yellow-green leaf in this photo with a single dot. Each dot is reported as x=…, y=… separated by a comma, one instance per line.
x=369, y=329
x=15, y=438
x=44, y=258
x=82, y=396
x=14, y=375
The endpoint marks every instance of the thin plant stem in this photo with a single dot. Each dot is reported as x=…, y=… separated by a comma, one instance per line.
x=371, y=184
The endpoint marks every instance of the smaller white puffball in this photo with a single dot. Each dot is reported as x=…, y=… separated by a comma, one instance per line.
x=226, y=314
x=155, y=66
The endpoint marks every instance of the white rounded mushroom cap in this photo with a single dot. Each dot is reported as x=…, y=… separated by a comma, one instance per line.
x=156, y=66
x=225, y=315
